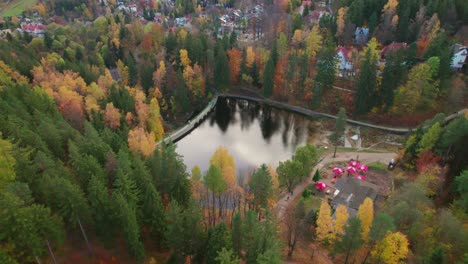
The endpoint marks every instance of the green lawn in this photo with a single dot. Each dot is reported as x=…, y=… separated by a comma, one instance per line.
x=15, y=7
x=313, y=202
x=377, y=166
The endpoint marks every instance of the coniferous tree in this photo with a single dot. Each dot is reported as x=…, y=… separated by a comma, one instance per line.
x=366, y=84
x=351, y=240
x=218, y=238
x=129, y=225
x=325, y=72
x=236, y=233
x=268, y=75
x=261, y=187
x=392, y=77
x=222, y=77
x=132, y=70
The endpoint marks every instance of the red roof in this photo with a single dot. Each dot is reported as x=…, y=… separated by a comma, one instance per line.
x=344, y=51
x=33, y=27
x=392, y=47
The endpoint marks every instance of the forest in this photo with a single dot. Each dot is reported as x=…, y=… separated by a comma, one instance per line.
x=83, y=107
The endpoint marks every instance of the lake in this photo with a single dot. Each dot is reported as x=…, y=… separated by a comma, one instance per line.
x=254, y=134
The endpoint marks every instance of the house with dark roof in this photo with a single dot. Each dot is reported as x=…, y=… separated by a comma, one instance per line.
x=460, y=53
x=393, y=47
x=351, y=192
x=361, y=35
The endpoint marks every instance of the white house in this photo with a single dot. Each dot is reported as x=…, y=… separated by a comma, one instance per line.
x=343, y=56
x=459, y=57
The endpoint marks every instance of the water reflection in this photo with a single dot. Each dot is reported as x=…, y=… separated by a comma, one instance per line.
x=253, y=133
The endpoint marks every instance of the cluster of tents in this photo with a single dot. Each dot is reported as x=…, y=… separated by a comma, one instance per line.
x=354, y=168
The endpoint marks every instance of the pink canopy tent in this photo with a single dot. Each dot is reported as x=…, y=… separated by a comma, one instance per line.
x=363, y=168
x=320, y=186
x=338, y=171
x=360, y=177
x=351, y=169
x=355, y=163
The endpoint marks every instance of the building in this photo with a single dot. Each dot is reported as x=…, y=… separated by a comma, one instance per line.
x=393, y=47
x=361, y=35
x=180, y=21
x=351, y=192
x=36, y=30
x=459, y=57
x=344, y=64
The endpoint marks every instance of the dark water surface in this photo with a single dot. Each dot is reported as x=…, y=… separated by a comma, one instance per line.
x=252, y=133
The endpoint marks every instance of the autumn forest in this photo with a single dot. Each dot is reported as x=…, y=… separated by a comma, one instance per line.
x=89, y=89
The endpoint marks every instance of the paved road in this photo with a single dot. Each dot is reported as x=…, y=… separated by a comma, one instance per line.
x=284, y=203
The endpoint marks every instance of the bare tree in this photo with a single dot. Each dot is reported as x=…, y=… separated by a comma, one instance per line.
x=294, y=219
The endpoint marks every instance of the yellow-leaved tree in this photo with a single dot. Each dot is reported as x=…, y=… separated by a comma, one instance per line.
x=250, y=57
x=366, y=215
x=154, y=121
x=140, y=141
x=393, y=249
x=324, y=222
x=340, y=220
x=225, y=163
x=313, y=42
x=7, y=163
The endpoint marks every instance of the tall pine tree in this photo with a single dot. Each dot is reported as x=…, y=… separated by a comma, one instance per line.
x=365, y=96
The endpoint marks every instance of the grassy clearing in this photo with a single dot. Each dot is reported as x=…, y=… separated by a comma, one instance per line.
x=312, y=202
x=15, y=7
x=377, y=166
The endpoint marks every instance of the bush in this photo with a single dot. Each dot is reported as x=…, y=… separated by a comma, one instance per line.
x=306, y=193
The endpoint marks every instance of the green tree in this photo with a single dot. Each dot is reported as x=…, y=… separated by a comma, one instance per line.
x=289, y=173
x=307, y=156
x=101, y=207
x=153, y=212
x=340, y=124
x=126, y=215
x=226, y=256
x=366, y=83
x=236, y=234
x=351, y=240
x=7, y=163
x=430, y=138
x=461, y=184
x=326, y=68
x=316, y=177
x=184, y=233
x=215, y=182
x=132, y=70
x=222, y=77
x=268, y=75
x=261, y=186
x=392, y=77
x=68, y=200
x=381, y=225
x=218, y=239
x=26, y=229
x=437, y=256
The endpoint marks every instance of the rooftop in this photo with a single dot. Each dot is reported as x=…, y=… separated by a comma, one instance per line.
x=351, y=192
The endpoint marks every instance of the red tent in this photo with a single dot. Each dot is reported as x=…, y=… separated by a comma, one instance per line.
x=351, y=169
x=363, y=168
x=320, y=186
x=337, y=171
x=360, y=177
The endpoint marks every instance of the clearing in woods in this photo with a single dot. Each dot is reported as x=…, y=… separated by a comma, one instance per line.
x=14, y=7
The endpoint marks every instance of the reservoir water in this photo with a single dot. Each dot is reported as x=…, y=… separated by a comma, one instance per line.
x=254, y=134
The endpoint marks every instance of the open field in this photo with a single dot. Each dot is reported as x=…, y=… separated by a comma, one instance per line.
x=14, y=7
